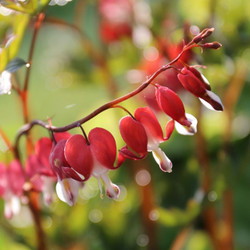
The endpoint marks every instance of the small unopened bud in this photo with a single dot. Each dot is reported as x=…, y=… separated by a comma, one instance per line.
x=204, y=34
x=213, y=45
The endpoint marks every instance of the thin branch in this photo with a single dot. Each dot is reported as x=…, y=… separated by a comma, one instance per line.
x=27, y=127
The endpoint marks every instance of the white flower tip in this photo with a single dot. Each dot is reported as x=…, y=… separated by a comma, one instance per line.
x=67, y=190
x=183, y=130
x=162, y=160
x=214, y=103
x=12, y=207
x=113, y=191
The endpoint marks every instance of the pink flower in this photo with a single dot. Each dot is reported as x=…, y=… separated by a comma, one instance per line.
x=171, y=104
x=193, y=81
x=143, y=134
x=12, y=180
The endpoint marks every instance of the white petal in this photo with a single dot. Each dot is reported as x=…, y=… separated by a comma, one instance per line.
x=187, y=130
x=205, y=79
x=213, y=96
x=112, y=190
x=162, y=160
x=67, y=190
x=12, y=206
x=48, y=189
x=5, y=82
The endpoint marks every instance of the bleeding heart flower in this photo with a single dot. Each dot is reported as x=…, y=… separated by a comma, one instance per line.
x=143, y=134
x=94, y=157
x=68, y=180
x=171, y=104
x=12, y=180
x=198, y=85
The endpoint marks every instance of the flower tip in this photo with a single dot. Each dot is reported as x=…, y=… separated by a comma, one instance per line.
x=113, y=192
x=167, y=168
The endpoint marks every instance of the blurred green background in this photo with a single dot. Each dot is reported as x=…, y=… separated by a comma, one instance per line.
x=155, y=210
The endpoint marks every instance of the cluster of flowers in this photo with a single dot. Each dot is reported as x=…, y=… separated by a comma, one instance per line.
x=70, y=160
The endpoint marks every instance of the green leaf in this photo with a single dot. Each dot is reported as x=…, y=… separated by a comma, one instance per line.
x=9, y=50
x=28, y=7
x=15, y=64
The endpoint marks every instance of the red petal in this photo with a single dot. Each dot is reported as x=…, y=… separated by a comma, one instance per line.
x=43, y=149
x=200, y=77
x=78, y=155
x=134, y=134
x=57, y=159
x=149, y=121
x=172, y=105
x=70, y=173
x=125, y=152
x=103, y=146
x=169, y=129
x=191, y=83
x=62, y=136
x=16, y=177
x=34, y=167
x=3, y=179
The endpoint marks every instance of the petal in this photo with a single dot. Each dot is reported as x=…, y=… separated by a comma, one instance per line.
x=16, y=177
x=191, y=83
x=5, y=82
x=12, y=206
x=57, y=158
x=134, y=134
x=211, y=101
x=171, y=104
x=162, y=160
x=103, y=146
x=42, y=149
x=3, y=179
x=48, y=189
x=62, y=136
x=78, y=155
x=149, y=121
x=112, y=190
x=71, y=173
x=67, y=190
x=187, y=130
x=126, y=153
x=34, y=167
x=169, y=129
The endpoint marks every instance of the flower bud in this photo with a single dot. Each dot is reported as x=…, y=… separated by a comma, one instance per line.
x=213, y=45
x=204, y=34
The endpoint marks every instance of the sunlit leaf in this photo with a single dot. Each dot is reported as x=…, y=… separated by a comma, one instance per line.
x=10, y=49
x=28, y=7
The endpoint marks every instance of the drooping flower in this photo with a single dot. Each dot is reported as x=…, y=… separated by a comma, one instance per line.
x=171, y=104
x=12, y=180
x=94, y=157
x=68, y=180
x=43, y=174
x=143, y=134
x=41, y=178
x=193, y=81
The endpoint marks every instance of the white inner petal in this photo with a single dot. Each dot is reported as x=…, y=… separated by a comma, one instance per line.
x=67, y=190
x=215, y=98
x=162, y=160
x=187, y=130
